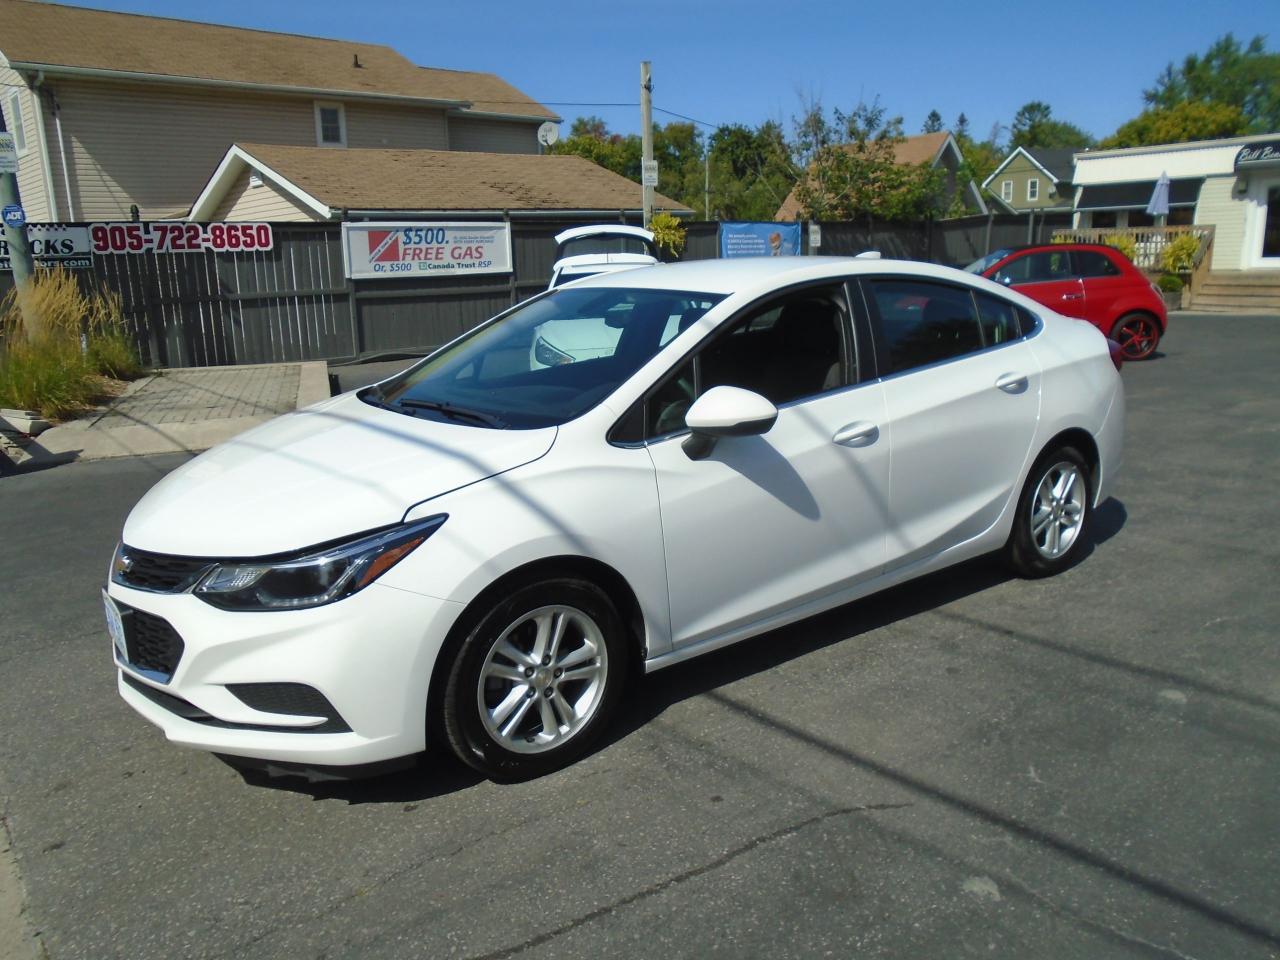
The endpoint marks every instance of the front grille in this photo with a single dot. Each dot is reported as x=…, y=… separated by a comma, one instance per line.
x=189, y=711
x=158, y=572
x=152, y=643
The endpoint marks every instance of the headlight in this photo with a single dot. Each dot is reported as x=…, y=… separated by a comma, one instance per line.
x=316, y=577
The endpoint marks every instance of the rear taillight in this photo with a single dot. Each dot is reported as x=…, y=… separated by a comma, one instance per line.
x=1116, y=351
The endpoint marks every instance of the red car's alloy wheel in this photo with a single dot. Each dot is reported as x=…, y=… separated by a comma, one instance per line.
x=1137, y=335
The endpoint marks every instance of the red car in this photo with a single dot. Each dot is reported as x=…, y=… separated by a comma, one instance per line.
x=1086, y=280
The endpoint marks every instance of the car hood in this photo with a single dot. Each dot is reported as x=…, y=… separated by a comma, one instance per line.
x=335, y=469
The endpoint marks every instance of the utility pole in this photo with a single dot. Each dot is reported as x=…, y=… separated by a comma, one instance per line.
x=646, y=138
x=16, y=237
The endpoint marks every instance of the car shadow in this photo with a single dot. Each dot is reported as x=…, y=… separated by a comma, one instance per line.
x=437, y=773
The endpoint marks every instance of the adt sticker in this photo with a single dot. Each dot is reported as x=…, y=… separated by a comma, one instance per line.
x=14, y=216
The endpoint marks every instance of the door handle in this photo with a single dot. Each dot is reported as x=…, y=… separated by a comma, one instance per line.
x=1073, y=296
x=1012, y=382
x=860, y=433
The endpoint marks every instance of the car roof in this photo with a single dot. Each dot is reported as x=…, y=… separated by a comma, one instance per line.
x=603, y=229
x=1010, y=251
x=739, y=273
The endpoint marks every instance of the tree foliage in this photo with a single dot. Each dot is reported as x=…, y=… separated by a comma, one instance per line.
x=1035, y=126
x=853, y=173
x=751, y=171
x=1185, y=121
x=1245, y=77
x=932, y=123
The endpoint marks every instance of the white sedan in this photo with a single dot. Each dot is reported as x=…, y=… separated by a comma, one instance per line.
x=479, y=550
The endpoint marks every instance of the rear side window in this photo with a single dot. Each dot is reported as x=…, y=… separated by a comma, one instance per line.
x=1091, y=263
x=999, y=320
x=1037, y=268
x=923, y=323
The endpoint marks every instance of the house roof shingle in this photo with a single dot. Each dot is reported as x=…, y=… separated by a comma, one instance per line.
x=54, y=35
x=382, y=179
x=1059, y=162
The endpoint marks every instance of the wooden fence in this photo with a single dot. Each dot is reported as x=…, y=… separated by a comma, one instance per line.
x=293, y=302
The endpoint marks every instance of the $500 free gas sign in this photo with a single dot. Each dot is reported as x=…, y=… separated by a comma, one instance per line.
x=376, y=250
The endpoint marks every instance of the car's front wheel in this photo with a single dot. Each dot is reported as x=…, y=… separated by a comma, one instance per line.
x=1138, y=335
x=1053, y=515
x=536, y=680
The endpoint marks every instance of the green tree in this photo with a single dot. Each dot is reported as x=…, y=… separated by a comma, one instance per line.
x=1034, y=126
x=854, y=173
x=932, y=123
x=1246, y=77
x=1185, y=121
x=751, y=171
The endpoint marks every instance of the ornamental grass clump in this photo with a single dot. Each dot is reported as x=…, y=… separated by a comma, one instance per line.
x=56, y=364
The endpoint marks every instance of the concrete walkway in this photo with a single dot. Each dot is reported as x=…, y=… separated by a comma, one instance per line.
x=181, y=411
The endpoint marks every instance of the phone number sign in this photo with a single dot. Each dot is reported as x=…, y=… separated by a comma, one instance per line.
x=372, y=251
x=180, y=237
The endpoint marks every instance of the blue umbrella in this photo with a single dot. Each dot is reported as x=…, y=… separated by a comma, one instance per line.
x=1158, y=205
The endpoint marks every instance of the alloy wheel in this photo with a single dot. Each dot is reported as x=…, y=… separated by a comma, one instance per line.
x=543, y=679
x=1057, y=510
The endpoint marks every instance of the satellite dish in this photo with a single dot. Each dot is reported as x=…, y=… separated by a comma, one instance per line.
x=548, y=133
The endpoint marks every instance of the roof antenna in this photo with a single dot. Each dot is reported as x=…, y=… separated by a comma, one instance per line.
x=355, y=61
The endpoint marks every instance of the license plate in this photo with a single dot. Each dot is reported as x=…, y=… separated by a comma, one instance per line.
x=115, y=626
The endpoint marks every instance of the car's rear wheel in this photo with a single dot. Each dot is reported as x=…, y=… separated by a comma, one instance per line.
x=536, y=680
x=1053, y=515
x=1138, y=335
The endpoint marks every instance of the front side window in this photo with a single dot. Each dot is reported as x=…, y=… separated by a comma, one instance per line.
x=1039, y=267
x=331, y=125
x=788, y=349
x=1033, y=188
x=15, y=122
x=545, y=362
x=923, y=323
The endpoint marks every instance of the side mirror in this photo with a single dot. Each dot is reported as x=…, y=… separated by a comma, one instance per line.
x=725, y=412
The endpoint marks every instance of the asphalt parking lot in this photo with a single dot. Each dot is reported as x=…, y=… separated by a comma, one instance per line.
x=1087, y=766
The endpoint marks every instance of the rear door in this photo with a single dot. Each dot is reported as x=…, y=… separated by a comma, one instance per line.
x=962, y=394
x=1046, y=276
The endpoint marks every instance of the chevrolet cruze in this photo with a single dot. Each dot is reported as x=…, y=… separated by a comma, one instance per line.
x=481, y=550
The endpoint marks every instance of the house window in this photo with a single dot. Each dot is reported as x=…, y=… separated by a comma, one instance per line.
x=1033, y=189
x=15, y=123
x=331, y=125
x=1006, y=190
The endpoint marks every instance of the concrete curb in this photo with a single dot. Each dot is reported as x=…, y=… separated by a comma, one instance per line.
x=17, y=940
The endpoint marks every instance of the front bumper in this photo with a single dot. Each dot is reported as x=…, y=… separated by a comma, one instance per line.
x=370, y=655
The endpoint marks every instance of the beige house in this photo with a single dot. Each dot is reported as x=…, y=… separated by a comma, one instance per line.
x=112, y=111
x=938, y=150
x=274, y=183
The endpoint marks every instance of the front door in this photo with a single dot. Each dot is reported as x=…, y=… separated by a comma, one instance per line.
x=1271, y=227
x=1047, y=277
x=767, y=522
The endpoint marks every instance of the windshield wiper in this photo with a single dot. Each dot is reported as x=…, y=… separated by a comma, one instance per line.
x=454, y=413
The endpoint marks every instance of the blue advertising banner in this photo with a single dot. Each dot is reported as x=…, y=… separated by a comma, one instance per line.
x=759, y=239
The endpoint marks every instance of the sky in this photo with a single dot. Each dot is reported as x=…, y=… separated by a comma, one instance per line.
x=747, y=61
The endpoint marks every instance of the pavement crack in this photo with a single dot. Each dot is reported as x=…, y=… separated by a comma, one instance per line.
x=662, y=885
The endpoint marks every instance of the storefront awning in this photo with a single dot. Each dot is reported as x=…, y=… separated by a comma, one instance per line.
x=1259, y=153
x=1136, y=194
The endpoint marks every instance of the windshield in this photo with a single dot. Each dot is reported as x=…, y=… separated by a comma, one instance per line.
x=545, y=362
x=990, y=260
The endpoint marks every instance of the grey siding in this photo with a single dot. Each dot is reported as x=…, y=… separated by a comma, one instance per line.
x=492, y=136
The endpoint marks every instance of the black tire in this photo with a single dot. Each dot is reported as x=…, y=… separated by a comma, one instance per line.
x=591, y=622
x=1030, y=551
x=1138, y=335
